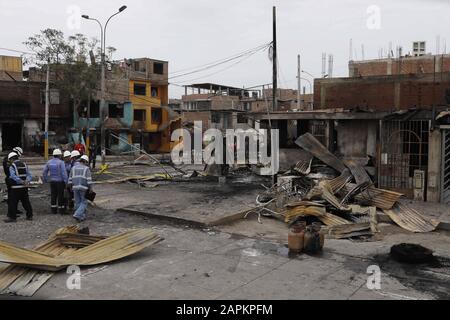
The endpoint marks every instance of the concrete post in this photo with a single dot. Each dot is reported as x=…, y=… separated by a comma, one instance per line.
x=434, y=166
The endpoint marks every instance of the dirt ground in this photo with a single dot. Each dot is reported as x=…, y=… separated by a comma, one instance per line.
x=244, y=260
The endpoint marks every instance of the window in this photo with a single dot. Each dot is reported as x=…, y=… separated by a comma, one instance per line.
x=95, y=109
x=54, y=96
x=156, y=115
x=215, y=117
x=115, y=110
x=140, y=89
x=241, y=118
x=139, y=115
x=158, y=68
x=155, y=92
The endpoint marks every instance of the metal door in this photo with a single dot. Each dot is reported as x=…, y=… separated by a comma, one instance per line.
x=446, y=166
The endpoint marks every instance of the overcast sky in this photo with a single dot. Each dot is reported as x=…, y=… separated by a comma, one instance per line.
x=190, y=33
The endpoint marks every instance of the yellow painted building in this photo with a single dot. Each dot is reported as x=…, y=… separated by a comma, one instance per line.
x=148, y=92
x=11, y=68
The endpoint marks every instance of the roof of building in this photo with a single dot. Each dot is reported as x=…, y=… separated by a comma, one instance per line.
x=215, y=87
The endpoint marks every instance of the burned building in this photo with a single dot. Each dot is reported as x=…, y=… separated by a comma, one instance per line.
x=22, y=116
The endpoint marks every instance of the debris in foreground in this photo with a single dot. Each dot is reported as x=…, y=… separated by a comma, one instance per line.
x=29, y=270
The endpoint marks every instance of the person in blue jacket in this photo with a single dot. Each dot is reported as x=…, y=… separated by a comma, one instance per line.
x=20, y=181
x=58, y=180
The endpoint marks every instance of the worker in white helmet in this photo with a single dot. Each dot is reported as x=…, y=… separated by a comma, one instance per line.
x=20, y=178
x=80, y=181
x=6, y=165
x=58, y=180
x=75, y=156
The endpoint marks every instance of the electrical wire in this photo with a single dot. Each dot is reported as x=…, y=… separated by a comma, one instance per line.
x=223, y=69
x=221, y=60
x=247, y=53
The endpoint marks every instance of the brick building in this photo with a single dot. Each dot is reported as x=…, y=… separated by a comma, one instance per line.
x=22, y=115
x=403, y=65
x=383, y=93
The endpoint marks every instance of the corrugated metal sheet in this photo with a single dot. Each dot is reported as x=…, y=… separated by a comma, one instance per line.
x=303, y=166
x=349, y=230
x=338, y=183
x=319, y=212
x=312, y=145
x=104, y=251
x=410, y=219
x=22, y=281
x=358, y=172
x=325, y=192
x=383, y=199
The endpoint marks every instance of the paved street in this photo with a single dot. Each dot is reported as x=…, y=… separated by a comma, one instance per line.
x=245, y=260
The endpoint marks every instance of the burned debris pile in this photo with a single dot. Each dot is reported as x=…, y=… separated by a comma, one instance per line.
x=339, y=193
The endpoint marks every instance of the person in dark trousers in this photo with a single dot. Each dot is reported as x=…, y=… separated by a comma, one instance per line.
x=92, y=155
x=58, y=180
x=20, y=180
x=68, y=164
x=6, y=164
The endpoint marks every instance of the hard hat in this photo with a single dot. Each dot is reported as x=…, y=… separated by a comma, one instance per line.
x=75, y=154
x=57, y=152
x=18, y=151
x=12, y=155
x=67, y=154
x=85, y=158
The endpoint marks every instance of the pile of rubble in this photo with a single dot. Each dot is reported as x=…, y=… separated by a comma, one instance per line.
x=340, y=194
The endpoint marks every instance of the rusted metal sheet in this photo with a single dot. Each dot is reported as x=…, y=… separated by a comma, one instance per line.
x=410, y=219
x=303, y=166
x=312, y=145
x=345, y=231
x=383, y=199
x=338, y=183
x=325, y=192
x=104, y=251
x=360, y=174
x=319, y=212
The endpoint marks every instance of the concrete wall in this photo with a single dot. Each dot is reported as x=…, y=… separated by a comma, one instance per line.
x=356, y=139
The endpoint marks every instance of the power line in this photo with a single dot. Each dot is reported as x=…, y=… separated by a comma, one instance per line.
x=220, y=60
x=210, y=66
x=18, y=51
x=226, y=68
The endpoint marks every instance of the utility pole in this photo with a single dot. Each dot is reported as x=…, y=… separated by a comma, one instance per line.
x=102, y=109
x=275, y=62
x=88, y=130
x=47, y=107
x=103, y=80
x=299, y=87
